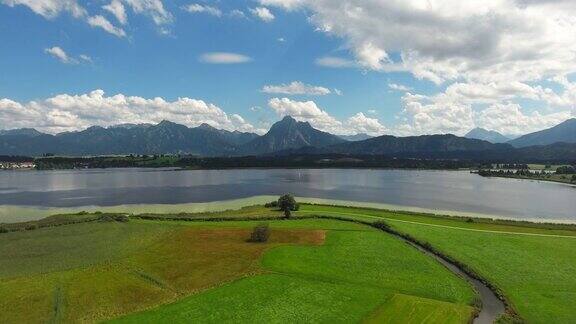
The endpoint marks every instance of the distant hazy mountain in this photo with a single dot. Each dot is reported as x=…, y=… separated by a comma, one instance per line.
x=564, y=132
x=131, y=126
x=487, y=135
x=289, y=134
x=235, y=137
x=165, y=137
x=285, y=137
x=386, y=145
x=355, y=138
x=31, y=132
x=560, y=151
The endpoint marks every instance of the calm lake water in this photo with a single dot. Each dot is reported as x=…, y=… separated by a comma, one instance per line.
x=457, y=191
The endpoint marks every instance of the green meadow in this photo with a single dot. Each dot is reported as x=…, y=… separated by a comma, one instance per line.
x=533, y=265
x=355, y=272
x=199, y=267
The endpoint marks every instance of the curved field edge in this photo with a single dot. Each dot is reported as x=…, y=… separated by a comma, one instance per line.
x=522, y=298
x=355, y=271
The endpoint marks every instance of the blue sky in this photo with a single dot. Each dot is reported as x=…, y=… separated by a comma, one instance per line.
x=164, y=59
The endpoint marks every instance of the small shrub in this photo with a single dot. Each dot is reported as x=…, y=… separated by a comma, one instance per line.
x=469, y=220
x=122, y=218
x=381, y=225
x=260, y=234
x=3, y=230
x=31, y=227
x=83, y=213
x=98, y=213
x=272, y=204
x=106, y=218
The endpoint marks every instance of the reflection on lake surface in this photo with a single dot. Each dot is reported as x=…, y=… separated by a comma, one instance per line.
x=434, y=190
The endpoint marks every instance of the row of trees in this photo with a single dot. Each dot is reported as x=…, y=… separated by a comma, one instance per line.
x=567, y=169
x=571, y=177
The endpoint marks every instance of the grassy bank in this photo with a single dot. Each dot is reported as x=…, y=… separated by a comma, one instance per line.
x=88, y=272
x=14, y=214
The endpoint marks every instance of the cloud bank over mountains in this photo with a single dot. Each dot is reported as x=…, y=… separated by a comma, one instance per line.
x=503, y=65
x=493, y=53
x=75, y=112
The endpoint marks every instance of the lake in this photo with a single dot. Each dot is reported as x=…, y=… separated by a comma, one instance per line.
x=436, y=191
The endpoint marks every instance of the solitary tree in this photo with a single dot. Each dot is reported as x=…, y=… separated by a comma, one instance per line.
x=287, y=203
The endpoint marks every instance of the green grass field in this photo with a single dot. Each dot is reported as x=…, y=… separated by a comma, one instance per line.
x=355, y=272
x=532, y=265
x=179, y=268
x=93, y=271
x=310, y=270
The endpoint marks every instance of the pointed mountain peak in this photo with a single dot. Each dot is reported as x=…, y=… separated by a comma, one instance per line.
x=290, y=122
x=170, y=125
x=166, y=123
x=486, y=135
x=288, y=118
x=206, y=126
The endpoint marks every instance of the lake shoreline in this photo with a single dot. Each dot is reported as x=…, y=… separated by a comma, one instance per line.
x=27, y=213
x=440, y=192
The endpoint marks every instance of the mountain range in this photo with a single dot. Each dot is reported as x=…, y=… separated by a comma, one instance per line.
x=563, y=132
x=287, y=136
x=165, y=137
x=356, y=137
x=487, y=135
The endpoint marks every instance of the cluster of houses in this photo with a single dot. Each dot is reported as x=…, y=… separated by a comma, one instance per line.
x=17, y=165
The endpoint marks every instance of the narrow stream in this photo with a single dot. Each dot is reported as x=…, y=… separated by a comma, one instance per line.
x=492, y=306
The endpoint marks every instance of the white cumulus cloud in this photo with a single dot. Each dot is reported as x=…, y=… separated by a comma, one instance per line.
x=399, y=87
x=117, y=9
x=296, y=88
x=49, y=8
x=509, y=119
x=224, y=58
x=495, y=53
x=317, y=117
x=52, y=8
x=262, y=13
x=101, y=22
x=63, y=57
x=360, y=123
x=66, y=112
x=335, y=62
x=199, y=8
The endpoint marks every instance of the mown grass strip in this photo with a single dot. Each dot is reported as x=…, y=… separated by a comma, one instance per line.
x=435, y=225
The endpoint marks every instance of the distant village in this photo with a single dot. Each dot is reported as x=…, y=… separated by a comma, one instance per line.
x=17, y=165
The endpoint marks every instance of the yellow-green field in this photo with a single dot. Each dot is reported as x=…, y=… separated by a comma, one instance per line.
x=188, y=267
x=208, y=272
